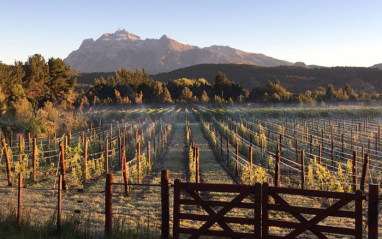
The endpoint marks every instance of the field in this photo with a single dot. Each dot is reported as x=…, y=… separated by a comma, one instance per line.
x=328, y=149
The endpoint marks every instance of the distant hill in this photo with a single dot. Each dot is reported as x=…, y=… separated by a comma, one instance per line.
x=294, y=79
x=121, y=49
x=379, y=66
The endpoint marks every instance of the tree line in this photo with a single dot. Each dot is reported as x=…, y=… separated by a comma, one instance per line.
x=38, y=95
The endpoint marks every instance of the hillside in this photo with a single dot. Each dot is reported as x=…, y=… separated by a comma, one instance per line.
x=295, y=79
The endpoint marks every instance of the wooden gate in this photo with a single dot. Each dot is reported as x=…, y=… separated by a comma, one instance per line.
x=194, y=195
x=302, y=223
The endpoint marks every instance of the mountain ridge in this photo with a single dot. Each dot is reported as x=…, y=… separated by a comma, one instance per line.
x=113, y=51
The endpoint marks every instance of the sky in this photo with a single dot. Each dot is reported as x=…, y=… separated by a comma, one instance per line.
x=324, y=32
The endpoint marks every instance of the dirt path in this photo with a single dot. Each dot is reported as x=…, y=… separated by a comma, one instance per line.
x=210, y=169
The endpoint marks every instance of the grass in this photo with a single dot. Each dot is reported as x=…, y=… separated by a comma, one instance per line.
x=72, y=227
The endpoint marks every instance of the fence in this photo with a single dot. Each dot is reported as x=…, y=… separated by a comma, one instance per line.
x=254, y=198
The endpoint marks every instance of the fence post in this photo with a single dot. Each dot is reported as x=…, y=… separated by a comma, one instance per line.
x=86, y=158
x=197, y=164
x=176, y=211
x=302, y=169
x=364, y=172
x=148, y=153
x=8, y=162
x=62, y=161
x=139, y=160
x=277, y=169
x=106, y=156
x=19, y=202
x=165, y=199
x=373, y=211
x=320, y=154
x=250, y=159
x=108, y=204
x=34, y=159
x=264, y=211
x=125, y=172
x=59, y=198
x=354, y=171
x=257, y=199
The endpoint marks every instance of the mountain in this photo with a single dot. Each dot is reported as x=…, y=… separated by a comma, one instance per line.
x=294, y=78
x=113, y=51
x=378, y=66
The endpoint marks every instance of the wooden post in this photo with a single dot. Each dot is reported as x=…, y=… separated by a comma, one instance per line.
x=139, y=160
x=108, y=204
x=8, y=162
x=237, y=160
x=59, y=199
x=373, y=211
x=250, y=159
x=34, y=159
x=19, y=202
x=264, y=211
x=197, y=176
x=86, y=158
x=63, y=166
x=148, y=153
x=165, y=203
x=125, y=172
x=364, y=172
x=354, y=171
x=107, y=156
x=320, y=154
x=277, y=169
x=302, y=169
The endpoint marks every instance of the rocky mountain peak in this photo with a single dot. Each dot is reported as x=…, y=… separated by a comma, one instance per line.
x=113, y=51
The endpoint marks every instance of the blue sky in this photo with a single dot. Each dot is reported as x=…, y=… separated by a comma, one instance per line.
x=328, y=33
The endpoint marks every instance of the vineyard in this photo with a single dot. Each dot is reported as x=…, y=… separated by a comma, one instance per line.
x=333, y=151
